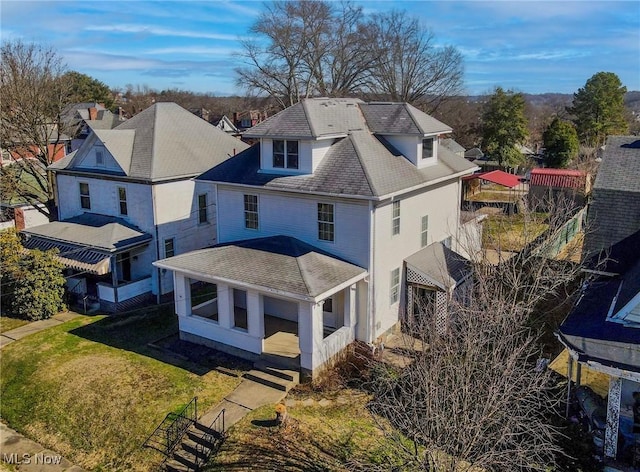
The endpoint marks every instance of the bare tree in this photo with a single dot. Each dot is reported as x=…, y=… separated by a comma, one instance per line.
x=472, y=398
x=33, y=98
x=410, y=67
x=322, y=48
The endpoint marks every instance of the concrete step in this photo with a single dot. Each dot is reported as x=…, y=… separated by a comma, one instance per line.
x=173, y=465
x=269, y=380
x=186, y=458
x=280, y=361
x=285, y=374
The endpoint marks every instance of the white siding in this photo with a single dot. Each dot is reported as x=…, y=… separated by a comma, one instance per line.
x=296, y=216
x=310, y=154
x=441, y=204
x=411, y=148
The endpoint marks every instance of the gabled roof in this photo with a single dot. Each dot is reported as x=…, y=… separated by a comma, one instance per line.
x=358, y=165
x=169, y=142
x=620, y=165
x=562, y=178
x=277, y=264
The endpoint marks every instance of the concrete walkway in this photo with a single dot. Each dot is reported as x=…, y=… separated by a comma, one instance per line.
x=25, y=455
x=20, y=453
x=247, y=396
x=13, y=335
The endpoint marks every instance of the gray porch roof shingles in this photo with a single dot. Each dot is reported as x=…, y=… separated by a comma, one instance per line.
x=440, y=264
x=279, y=264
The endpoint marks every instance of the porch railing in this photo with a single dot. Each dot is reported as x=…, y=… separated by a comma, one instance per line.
x=169, y=433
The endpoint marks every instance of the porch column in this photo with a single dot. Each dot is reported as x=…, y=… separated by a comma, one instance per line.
x=182, y=287
x=114, y=279
x=613, y=417
x=225, y=306
x=350, y=306
x=255, y=314
x=310, y=334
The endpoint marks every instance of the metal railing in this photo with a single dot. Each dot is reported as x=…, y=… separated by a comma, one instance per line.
x=169, y=433
x=210, y=440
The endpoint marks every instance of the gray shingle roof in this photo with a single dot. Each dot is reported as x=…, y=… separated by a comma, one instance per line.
x=278, y=264
x=360, y=165
x=89, y=229
x=400, y=118
x=439, y=263
x=169, y=142
x=620, y=167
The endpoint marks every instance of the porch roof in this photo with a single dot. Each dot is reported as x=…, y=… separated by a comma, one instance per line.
x=86, y=242
x=277, y=264
x=442, y=266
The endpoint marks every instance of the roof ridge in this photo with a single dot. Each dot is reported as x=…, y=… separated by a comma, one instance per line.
x=412, y=116
x=359, y=156
x=152, y=145
x=306, y=114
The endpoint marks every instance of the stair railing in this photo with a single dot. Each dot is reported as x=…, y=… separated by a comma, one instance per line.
x=171, y=430
x=211, y=439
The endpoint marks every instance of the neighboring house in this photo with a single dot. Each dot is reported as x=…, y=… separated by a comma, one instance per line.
x=473, y=154
x=603, y=332
x=81, y=118
x=453, y=146
x=334, y=224
x=226, y=125
x=127, y=197
x=603, y=329
x=614, y=208
x=246, y=119
x=565, y=188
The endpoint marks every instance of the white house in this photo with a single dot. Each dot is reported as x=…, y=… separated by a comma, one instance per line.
x=127, y=197
x=329, y=228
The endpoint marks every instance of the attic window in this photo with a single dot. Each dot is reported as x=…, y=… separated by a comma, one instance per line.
x=427, y=148
x=285, y=154
x=99, y=158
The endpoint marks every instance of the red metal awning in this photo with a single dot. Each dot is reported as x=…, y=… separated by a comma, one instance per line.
x=497, y=177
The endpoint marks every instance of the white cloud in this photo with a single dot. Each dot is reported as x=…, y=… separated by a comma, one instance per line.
x=159, y=31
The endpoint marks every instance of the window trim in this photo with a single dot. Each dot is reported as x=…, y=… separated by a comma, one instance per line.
x=122, y=201
x=394, y=292
x=173, y=247
x=424, y=231
x=85, y=196
x=286, y=153
x=248, y=212
x=203, y=213
x=325, y=225
x=395, y=218
x=431, y=148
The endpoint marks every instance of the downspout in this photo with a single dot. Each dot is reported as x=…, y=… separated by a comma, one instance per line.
x=155, y=225
x=371, y=300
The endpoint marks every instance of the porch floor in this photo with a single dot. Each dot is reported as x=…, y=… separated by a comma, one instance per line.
x=281, y=337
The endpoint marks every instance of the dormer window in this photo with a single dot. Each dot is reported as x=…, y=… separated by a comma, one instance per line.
x=427, y=148
x=285, y=154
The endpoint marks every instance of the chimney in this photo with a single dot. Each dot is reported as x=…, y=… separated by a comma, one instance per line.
x=93, y=113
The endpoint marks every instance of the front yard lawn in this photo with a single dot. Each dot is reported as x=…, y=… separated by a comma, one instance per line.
x=7, y=323
x=316, y=437
x=92, y=390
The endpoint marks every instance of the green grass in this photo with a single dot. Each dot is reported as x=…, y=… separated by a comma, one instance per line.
x=513, y=233
x=92, y=390
x=7, y=323
x=493, y=196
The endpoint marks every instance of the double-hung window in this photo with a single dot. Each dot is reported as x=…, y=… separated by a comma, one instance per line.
x=122, y=200
x=169, y=247
x=395, y=220
x=395, y=286
x=202, y=208
x=326, y=222
x=285, y=154
x=424, y=232
x=85, y=198
x=251, y=211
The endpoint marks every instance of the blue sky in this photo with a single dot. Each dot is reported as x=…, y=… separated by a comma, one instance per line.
x=528, y=46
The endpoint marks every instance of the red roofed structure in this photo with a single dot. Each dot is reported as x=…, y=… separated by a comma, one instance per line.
x=559, y=178
x=548, y=185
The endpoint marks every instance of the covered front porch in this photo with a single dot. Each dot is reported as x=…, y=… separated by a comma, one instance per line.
x=272, y=298
x=106, y=260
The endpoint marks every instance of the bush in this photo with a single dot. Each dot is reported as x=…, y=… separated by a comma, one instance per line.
x=32, y=281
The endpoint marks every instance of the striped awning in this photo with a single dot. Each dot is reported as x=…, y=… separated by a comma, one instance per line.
x=73, y=256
